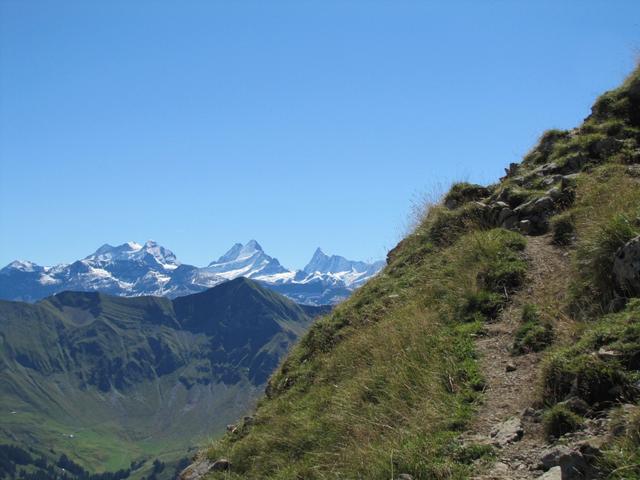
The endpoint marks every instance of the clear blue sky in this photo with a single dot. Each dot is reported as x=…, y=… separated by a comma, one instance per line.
x=301, y=124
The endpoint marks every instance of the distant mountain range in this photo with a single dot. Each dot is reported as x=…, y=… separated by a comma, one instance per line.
x=132, y=269
x=110, y=380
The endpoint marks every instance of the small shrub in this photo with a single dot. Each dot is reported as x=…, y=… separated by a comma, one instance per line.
x=583, y=375
x=587, y=144
x=559, y=420
x=513, y=196
x=482, y=306
x=622, y=459
x=580, y=370
x=463, y=192
x=530, y=313
x=447, y=226
x=540, y=153
x=532, y=337
x=563, y=228
x=595, y=258
x=505, y=275
x=473, y=452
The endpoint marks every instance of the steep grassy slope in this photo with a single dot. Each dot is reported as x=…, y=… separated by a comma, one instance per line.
x=388, y=382
x=111, y=380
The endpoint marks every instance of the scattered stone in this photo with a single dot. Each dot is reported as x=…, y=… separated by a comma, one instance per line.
x=525, y=226
x=232, y=428
x=607, y=146
x=221, y=465
x=196, y=470
x=626, y=267
x=551, y=456
x=543, y=204
x=569, y=180
x=555, y=194
x=574, y=162
x=506, y=214
x=531, y=414
x=605, y=354
x=548, y=181
x=572, y=463
x=507, y=432
x=404, y=476
x=553, y=474
x=576, y=405
x=634, y=170
x=536, y=212
x=547, y=169
x=248, y=420
x=511, y=367
x=590, y=451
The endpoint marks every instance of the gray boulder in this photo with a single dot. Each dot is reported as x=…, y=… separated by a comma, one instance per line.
x=571, y=462
x=507, y=432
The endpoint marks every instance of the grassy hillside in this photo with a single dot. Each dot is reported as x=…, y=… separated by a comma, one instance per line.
x=389, y=382
x=112, y=380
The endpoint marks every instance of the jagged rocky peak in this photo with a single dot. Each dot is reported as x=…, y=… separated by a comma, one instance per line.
x=323, y=263
x=248, y=260
x=231, y=254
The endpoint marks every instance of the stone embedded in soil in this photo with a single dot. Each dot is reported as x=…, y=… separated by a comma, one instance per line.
x=554, y=474
x=507, y=432
x=196, y=470
x=573, y=464
x=511, y=367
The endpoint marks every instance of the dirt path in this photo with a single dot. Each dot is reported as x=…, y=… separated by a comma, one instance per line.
x=509, y=393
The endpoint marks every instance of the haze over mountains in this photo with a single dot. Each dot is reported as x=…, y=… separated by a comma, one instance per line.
x=133, y=269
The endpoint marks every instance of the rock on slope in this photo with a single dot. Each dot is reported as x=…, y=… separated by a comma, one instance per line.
x=501, y=340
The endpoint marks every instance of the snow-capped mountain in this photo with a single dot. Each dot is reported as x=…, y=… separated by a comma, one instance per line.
x=132, y=269
x=349, y=271
x=248, y=261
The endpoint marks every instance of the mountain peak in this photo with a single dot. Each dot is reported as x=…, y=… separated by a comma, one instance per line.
x=107, y=248
x=231, y=254
x=22, y=265
x=250, y=248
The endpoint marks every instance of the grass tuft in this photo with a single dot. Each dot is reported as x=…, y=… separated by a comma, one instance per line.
x=559, y=420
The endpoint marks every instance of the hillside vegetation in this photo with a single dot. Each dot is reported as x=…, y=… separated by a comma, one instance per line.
x=389, y=384
x=111, y=383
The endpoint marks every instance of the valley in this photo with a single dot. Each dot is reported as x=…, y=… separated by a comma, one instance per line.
x=109, y=380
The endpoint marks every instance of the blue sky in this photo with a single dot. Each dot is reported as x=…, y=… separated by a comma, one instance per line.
x=301, y=124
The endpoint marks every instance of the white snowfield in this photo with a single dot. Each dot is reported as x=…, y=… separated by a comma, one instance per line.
x=133, y=269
